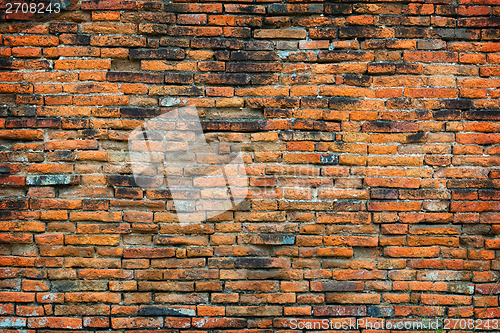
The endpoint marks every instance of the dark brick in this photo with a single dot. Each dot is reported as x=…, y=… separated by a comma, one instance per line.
x=254, y=55
x=216, y=79
x=75, y=39
x=490, y=34
x=254, y=262
x=245, y=67
x=323, y=33
x=264, y=79
x=492, y=115
x=138, y=112
x=130, y=193
x=95, y=204
x=178, y=78
x=13, y=204
x=10, y=64
x=417, y=137
x=246, y=126
x=447, y=115
x=400, y=103
x=454, y=33
x=119, y=180
x=134, y=77
x=63, y=27
x=357, y=80
x=384, y=194
x=461, y=104
x=267, y=239
x=165, y=54
x=412, y=32
x=215, y=43
x=174, y=42
x=338, y=9
x=277, y=113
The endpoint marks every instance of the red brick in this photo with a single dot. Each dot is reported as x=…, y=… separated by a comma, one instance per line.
x=348, y=116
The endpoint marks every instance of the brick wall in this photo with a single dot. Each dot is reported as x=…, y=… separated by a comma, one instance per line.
x=370, y=136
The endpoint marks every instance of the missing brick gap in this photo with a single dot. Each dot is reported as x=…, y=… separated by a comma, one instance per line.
x=125, y=65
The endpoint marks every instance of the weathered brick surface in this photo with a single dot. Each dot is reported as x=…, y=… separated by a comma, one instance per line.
x=369, y=132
